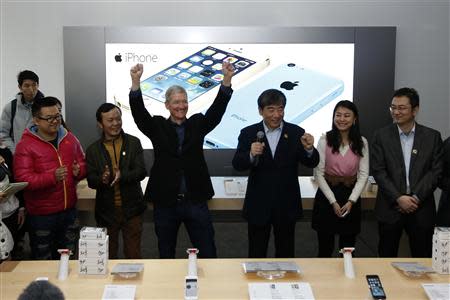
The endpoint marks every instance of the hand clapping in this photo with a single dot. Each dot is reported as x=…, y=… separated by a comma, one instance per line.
x=75, y=168
x=106, y=174
x=61, y=173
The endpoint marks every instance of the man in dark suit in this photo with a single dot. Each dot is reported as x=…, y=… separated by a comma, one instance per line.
x=273, y=194
x=179, y=183
x=443, y=214
x=406, y=161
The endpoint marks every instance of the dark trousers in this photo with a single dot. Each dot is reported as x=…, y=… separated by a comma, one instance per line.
x=13, y=227
x=326, y=242
x=11, y=223
x=52, y=232
x=259, y=235
x=19, y=239
x=131, y=235
x=443, y=213
x=420, y=238
x=197, y=220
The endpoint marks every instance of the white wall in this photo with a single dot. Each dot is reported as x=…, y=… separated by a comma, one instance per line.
x=31, y=35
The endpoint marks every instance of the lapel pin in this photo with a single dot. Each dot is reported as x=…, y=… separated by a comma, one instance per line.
x=285, y=135
x=414, y=151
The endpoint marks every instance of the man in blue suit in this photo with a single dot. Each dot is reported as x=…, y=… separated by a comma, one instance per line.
x=273, y=194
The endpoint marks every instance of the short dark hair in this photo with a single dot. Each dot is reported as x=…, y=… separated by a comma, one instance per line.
x=27, y=74
x=41, y=290
x=104, y=108
x=43, y=102
x=271, y=97
x=410, y=93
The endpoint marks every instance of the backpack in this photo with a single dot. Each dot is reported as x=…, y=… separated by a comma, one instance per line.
x=13, y=114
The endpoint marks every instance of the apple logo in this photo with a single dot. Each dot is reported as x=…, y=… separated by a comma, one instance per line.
x=118, y=58
x=287, y=85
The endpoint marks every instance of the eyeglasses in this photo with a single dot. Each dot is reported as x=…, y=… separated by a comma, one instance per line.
x=51, y=119
x=400, y=108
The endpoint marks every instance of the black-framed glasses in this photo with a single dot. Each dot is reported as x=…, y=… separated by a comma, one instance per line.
x=51, y=119
x=400, y=108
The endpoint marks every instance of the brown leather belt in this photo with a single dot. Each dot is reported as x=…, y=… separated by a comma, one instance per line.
x=333, y=180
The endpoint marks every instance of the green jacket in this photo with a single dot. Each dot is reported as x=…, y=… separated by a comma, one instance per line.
x=132, y=171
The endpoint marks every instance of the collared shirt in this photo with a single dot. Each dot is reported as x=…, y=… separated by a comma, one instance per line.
x=407, y=142
x=180, y=130
x=273, y=136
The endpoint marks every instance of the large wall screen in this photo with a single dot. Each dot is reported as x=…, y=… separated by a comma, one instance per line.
x=312, y=76
x=314, y=66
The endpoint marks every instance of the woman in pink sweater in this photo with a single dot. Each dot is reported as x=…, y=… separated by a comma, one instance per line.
x=341, y=175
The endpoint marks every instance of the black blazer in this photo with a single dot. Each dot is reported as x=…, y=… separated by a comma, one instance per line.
x=443, y=217
x=169, y=166
x=388, y=169
x=273, y=192
x=132, y=172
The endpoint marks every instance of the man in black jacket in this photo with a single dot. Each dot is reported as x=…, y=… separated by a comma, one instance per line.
x=179, y=183
x=115, y=166
x=272, y=150
x=443, y=214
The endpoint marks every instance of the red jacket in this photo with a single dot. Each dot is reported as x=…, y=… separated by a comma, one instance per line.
x=35, y=162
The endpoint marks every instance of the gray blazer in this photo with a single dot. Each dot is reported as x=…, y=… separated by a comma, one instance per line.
x=388, y=169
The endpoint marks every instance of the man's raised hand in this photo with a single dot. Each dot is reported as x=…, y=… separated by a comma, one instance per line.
x=136, y=73
x=228, y=73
